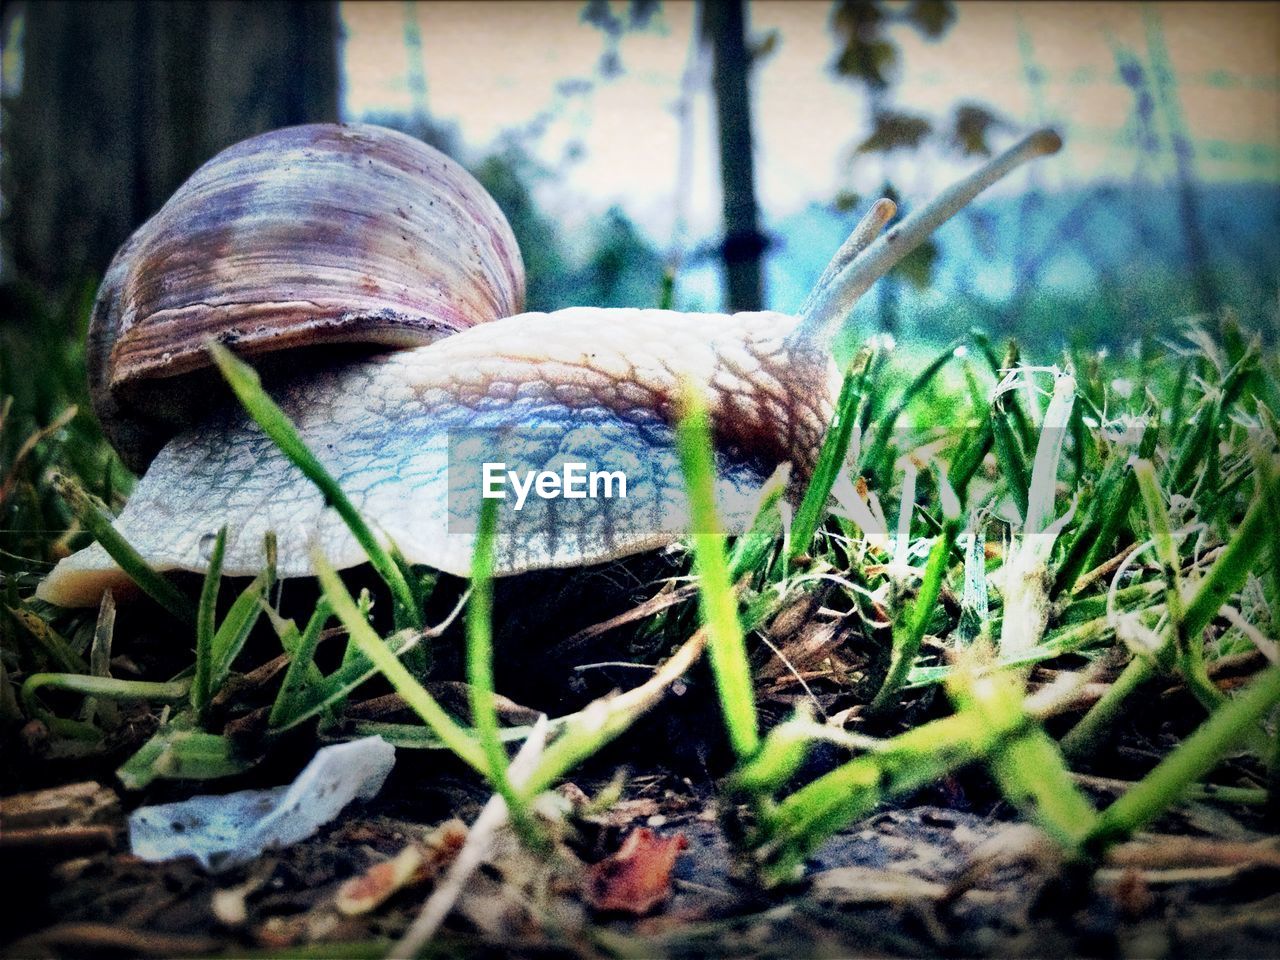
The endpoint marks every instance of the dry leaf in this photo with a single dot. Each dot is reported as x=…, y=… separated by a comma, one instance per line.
x=637, y=877
x=375, y=886
x=414, y=865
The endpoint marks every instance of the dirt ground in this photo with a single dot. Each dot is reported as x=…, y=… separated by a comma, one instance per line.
x=920, y=880
x=949, y=872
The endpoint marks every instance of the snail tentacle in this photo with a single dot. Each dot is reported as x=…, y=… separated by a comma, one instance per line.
x=863, y=235
x=832, y=303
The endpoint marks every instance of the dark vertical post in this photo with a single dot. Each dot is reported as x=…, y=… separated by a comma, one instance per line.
x=120, y=102
x=725, y=25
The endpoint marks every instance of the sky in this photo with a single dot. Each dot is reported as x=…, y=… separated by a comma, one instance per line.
x=492, y=67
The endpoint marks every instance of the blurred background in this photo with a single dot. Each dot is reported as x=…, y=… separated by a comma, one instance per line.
x=728, y=145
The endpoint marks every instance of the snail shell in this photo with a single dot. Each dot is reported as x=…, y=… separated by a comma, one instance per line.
x=302, y=237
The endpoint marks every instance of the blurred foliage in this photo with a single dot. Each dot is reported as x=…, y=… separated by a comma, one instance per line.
x=615, y=267
x=970, y=126
x=867, y=55
x=892, y=130
x=508, y=177
x=623, y=269
x=610, y=264
x=614, y=20
x=45, y=416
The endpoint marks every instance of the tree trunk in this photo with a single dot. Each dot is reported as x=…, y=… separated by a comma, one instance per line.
x=120, y=102
x=725, y=26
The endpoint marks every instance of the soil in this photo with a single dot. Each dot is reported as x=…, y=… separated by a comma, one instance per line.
x=921, y=880
x=948, y=872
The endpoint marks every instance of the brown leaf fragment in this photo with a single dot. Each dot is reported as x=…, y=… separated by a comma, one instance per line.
x=625, y=812
x=414, y=865
x=803, y=651
x=371, y=889
x=636, y=878
x=444, y=842
x=574, y=795
x=1132, y=894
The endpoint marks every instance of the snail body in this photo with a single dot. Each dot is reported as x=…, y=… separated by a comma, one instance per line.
x=521, y=391
x=406, y=433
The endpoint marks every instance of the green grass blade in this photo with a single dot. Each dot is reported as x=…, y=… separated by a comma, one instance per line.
x=803, y=820
x=302, y=674
x=1199, y=444
x=375, y=648
x=1009, y=455
x=52, y=643
x=1106, y=513
x=982, y=341
x=202, y=689
x=1087, y=736
x=1186, y=646
x=236, y=626
x=176, y=753
x=813, y=508
x=719, y=605
x=667, y=289
x=974, y=601
x=1268, y=472
x=876, y=463
x=603, y=720
x=751, y=551
x=1190, y=761
x=1228, y=574
x=484, y=710
x=100, y=688
x=909, y=629
x=331, y=692
x=247, y=386
x=976, y=444
x=1028, y=767
x=781, y=754
x=99, y=523
x=1225, y=578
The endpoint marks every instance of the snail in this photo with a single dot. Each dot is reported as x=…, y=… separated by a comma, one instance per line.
x=410, y=433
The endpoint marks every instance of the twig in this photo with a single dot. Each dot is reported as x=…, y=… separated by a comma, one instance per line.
x=473, y=853
x=81, y=939
x=1103, y=570
x=63, y=841
x=603, y=719
x=648, y=608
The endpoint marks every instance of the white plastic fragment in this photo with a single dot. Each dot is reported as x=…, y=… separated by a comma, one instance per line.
x=222, y=831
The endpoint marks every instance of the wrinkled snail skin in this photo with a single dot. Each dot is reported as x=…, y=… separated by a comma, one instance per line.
x=301, y=237
x=405, y=433
x=593, y=385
